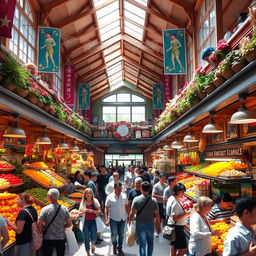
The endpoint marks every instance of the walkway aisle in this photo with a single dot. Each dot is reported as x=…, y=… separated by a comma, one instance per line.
x=105, y=248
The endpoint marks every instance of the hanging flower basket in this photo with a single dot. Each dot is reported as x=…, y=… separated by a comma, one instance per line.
x=210, y=88
x=218, y=81
x=228, y=73
x=250, y=56
x=239, y=66
x=21, y=92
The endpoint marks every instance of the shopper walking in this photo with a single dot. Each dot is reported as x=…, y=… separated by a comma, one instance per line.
x=177, y=217
x=129, y=179
x=53, y=219
x=145, y=208
x=110, y=186
x=4, y=234
x=240, y=240
x=200, y=242
x=23, y=225
x=89, y=209
x=134, y=192
x=89, y=183
x=168, y=191
x=158, y=192
x=116, y=215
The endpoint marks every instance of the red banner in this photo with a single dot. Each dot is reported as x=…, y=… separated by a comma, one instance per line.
x=7, y=8
x=69, y=84
x=167, y=88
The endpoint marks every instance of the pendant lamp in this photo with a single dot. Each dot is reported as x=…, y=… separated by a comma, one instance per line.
x=190, y=137
x=166, y=147
x=243, y=115
x=63, y=144
x=74, y=147
x=44, y=139
x=211, y=127
x=176, y=143
x=15, y=131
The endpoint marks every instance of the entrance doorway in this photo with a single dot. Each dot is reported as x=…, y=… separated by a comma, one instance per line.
x=126, y=159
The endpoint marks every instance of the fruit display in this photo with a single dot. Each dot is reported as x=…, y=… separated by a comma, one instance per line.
x=217, y=168
x=12, y=179
x=55, y=175
x=233, y=173
x=197, y=168
x=39, y=165
x=5, y=166
x=189, y=158
x=74, y=214
x=186, y=203
x=44, y=179
x=40, y=194
x=218, y=241
x=4, y=183
x=76, y=195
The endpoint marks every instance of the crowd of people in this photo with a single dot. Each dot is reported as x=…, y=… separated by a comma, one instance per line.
x=153, y=199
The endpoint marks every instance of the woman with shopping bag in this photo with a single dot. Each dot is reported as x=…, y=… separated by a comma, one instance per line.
x=89, y=210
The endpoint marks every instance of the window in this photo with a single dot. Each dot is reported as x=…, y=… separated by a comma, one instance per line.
x=123, y=107
x=58, y=82
x=23, y=42
x=206, y=27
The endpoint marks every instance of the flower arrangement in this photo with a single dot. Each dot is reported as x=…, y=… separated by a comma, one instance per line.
x=220, y=53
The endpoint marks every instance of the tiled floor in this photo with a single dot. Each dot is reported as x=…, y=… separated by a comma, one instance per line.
x=105, y=248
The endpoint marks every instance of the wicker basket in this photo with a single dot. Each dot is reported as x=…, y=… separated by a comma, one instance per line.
x=22, y=93
x=218, y=81
x=228, y=73
x=201, y=95
x=40, y=104
x=33, y=99
x=10, y=87
x=239, y=66
x=46, y=108
x=250, y=56
x=210, y=88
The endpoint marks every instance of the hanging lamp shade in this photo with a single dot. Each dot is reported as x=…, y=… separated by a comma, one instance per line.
x=63, y=144
x=166, y=147
x=212, y=127
x=176, y=144
x=14, y=132
x=190, y=138
x=75, y=148
x=243, y=116
x=84, y=151
x=91, y=153
x=43, y=140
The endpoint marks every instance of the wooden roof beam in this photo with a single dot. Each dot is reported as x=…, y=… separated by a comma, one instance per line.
x=161, y=16
x=188, y=8
x=87, y=64
x=141, y=46
x=53, y=5
x=98, y=48
x=99, y=90
x=146, y=69
x=99, y=85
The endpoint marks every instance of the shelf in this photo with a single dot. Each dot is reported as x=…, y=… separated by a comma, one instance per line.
x=239, y=180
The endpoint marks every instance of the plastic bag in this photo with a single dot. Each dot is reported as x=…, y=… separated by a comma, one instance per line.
x=131, y=234
x=72, y=245
x=100, y=224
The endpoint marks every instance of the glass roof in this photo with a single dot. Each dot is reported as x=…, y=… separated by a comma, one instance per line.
x=109, y=22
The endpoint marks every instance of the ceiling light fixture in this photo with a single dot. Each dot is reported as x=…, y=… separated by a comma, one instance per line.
x=15, y=131
x=212, y=127
x=243, y=115
x=63, y=144
x=190, y=137
x=44, y=139
x=176, y=143
x=74, y=147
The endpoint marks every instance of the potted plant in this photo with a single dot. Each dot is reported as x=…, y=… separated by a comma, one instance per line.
x=33, y=91
x=77, y=122
x=239, y=62
x=225, y=66
x=208, y=83
x=192, y=98
x=199, y=85
x=13, y=73
x=248, y=48
x=59, y=112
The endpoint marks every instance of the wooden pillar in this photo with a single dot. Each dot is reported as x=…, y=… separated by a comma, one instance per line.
x=194, y=38
x=218, y=19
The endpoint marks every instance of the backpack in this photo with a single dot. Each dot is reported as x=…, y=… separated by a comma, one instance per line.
x=37, y=235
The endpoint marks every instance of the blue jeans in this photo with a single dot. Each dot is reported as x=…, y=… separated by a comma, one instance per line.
x=90, y=233
x=145, y=233
x=117, y=229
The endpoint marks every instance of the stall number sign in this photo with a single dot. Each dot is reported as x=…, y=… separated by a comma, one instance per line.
x=233, y=152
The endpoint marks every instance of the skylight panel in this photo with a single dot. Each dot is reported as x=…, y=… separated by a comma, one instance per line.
x=110, y=34
x=134, y=17
x=108, y=18
x=112, y=55
x=114, y=69
x=115, y=77
x=114, y=82
x=111, y=49
x=134, y=9
x=111, y=26
x=133, y=27
x=133, y=33
x=107, y=9
x=99, y=2
x=144, y=2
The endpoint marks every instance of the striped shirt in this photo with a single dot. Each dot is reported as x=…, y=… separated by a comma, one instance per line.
x=218, y=213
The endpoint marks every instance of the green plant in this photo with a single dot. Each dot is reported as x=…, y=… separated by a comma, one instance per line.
x=13, y=72
x=247, y=45
x=77, y=122
x=59, y=112
x=183, y=105
x=191, y=97
x=230, y=59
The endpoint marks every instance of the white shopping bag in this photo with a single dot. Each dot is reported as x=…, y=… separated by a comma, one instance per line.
x=72, y=245
x=100, y=224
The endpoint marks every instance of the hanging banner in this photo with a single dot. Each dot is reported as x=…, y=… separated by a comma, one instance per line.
x=7, y=8
x=174, y=51
x=69, y=84
x=48, y=50
x=158, y=96
x=84, y=96
x=167, y=88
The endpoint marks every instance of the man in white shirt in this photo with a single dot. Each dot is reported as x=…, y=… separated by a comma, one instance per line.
x=110, y=187
x=116, y=210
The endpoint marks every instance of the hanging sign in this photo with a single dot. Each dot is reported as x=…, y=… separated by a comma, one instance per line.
x=158, y=96
x=84, y=96
x=174, y=48
x=228, y=152
x=69, y=84
x=167, y=88
x=7, y=8
x=48, y=49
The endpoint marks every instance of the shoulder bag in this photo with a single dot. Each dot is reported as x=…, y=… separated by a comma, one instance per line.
x=37, y=235
x=46, y=228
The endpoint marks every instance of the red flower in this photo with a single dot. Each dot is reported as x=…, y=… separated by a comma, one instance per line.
x=44, y=93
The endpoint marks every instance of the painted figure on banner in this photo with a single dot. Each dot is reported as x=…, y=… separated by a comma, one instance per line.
x=48, y=49
x=174, y=51
x=84, y=96
x=158, y=96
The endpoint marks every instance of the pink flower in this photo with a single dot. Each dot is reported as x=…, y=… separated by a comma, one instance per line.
x=61, y=98
x=44, y=93
x=199, y=70
x=55, y=91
